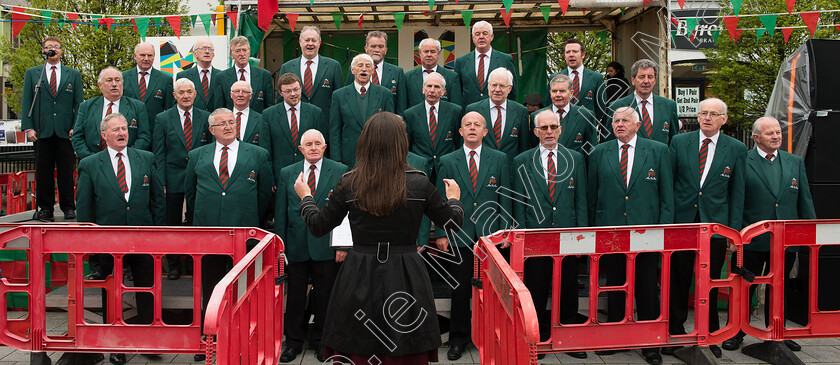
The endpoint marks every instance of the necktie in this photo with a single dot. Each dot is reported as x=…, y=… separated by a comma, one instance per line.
x=205, y=85
x=552, y=171
x=53, y=82
x=223, y=167
x=293, y=127
x=121, y=173
x=375, y=77
x=575, y=85
x=142, y=85
x=188, y=130
x=561, y=113
x=704, y=152
x=307, y=80
x=473, y=170
x=362, y=91
x=311, y=179
x=646, y=119
x=622, y=164
x=480, y=71
x=241, y=74
x=497, y=126
x=769, y=157
x=432, y=124
x=428, y=71
x=238, y=123
x=102, y=140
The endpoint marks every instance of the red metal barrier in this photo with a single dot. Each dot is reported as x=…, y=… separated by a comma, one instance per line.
x=244, y=321
x=19, y=187
x=115, y=335
x=807, y=234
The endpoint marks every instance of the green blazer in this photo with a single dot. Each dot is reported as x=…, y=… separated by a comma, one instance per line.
x=300, y=244
x=347, y=121
x=200, y=101
x=492, y=173
x=392, y=78
x=418, y=162
x=262, y=88
x=52, y=116
x=666, y=124
x=253, y=128
x=588, y=98
x=86, y=132
x=537, y=210
x=517, y=128
x=577, y=129
x=327, y=79
x=170, y=147
x=790, y=200
x=721, y=198
x=159, y=96
x=99, y=198
x=650, y=196
x=465, y=68
x=414, y=86
x=248, y=193
x=277, y=137
x=447, y=138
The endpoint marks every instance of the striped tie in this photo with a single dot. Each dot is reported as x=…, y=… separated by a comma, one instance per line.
x=704, y=152
x=238, y=124
x=560, y=113
x=362, y=90
x=497, y=126
x=769, y=157
x=473, y=170
x=188, y=132
x=311, y=179
x=142, y=85
x=552, y=171
x=307, y=80
x=646, y=119
x=241, y=74
x=575, y=86
x=622, y=164
x=102, y=143
x=432, y=124
x=293, y=126
x=223, y=167
x=375, y=77
x=480, y=71
x=205, y=85
x=121, y=174
x=53, y=82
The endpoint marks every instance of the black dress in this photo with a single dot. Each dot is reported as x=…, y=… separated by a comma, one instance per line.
x=382, y=273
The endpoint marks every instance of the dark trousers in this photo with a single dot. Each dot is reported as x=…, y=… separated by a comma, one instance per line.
x=461, y=314
x=538, y=280
x=647, y=295
x=323, y=274
x=174, y=206
x=758, y=263
x=682, y=271
x=213, y=269
x=51, y=154
x=142, y=269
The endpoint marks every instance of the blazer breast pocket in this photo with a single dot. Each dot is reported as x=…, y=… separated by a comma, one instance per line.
x=514, y=132
x=666, y=126
x=260, y=96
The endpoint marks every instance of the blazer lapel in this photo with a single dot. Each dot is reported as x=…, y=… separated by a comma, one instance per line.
x=721, y=150
x=483, y=166
x=415, y=82
x=131, y=84
x=108, y=172
x=537, y=170
x=319, y=74
x=242, y=159
x=354, y=106
x=471, y=70
x=176, y=126
x=638, y=160
x=612, y=159
x=250, y=127
x=754, y=161
x=788, y=173
x=374, y=102
x=62, y=83
x=692, y=150
x=325, y=179
x=284, y=122
x=137, y=180
x=207, y=156
x=464, y=169
x=97, y=108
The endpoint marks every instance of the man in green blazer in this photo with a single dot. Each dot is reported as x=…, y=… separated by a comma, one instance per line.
x=385, y=74
x=306, y=256
x=776, y=188
x=553, y=178
x=580, y=132
x=92, y=111
x=202, y=74
x=480, y=171
x=148, y=84
x=631, y=183
x=119, y=186
x=586, y=84
x=50, y=127
x=352, y=105
x=320, y=75
x=280, y=120
x=178, y=131
x=432, y=126
x=506, y=119
x=249, y=124
x=414, y=78
x=709, y=170
x=474, y=83
x=262, y=85
x=659, y=114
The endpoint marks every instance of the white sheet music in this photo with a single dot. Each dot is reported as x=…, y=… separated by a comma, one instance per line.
x=341, y=235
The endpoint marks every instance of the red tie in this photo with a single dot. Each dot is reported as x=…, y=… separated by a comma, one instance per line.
x=473, y=170
x=205, y=85
x=375, y=77
x=552, y=171
x=311, y=180
x=769, y=157
x=223, y=167
x=480, y=71
x=293, y=127
x=497, y=126
x=121, y=173
x=102, y=140
x=362, y=91
x=622, y=164
x=143, y=85
x=241, y=74
x=560, y=113
x=238, y=123
x=307, y=80
x=646, y=119
x=188, y=130
x=432, y=124
x=704, y=152
x=428, y=71
x=53, y=82
x=575, y=85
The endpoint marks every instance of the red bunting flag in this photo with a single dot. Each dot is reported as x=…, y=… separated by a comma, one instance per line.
x=811, y=20
x=175, y=23
x=732, y=26
x=266, y=10
x=786, y=33
x=234, y=17
x=292, y=18
x=645, y=2
x=361, y=19
x=107, y=22
x=564, y=4
x=682, y=3
x=73, y=17
x=790, y=4
x=134, y=24
x=506, y=17
x=19, y=19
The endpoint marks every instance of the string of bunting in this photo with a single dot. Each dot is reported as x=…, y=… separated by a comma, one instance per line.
x=811, y=20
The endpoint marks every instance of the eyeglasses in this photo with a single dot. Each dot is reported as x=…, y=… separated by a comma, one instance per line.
x=51, y=47
x=553, y=127
x=289, y=91
x=493, y=86
x=710, y=114
x=224, y=124
x=240, y=91
x=205, y=49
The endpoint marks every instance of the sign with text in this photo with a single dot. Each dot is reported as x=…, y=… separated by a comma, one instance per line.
x=688, y=101
x=11, y=135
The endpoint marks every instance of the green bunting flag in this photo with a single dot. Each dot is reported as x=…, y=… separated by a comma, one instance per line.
x=690, y=25
x=604, y=36
x=95, y=21
x=546, y=10
x=431, y=5
x=337, y=17
x=769, y=22
x=507, y=4
x=715, y=35
x=192, y=20
x=398, y=19
x=206, y=20
x=467, y=16
x=736, y=6
x=47, y=17
x=673, y=36
x=142, y=27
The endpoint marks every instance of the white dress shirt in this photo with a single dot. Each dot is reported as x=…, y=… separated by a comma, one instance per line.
x=544, y=160
x=437, y=111
x=306, y=165
x=648, y=107
x=359, y=87
x=233, y=148
x=580, y=75
x=630, y=154
x=57, y=74
x=486, y=63
x=710, y=155
x=113, y=154
x=477, y=157
x=181, y=115
x=426, y=74
x=243, y=121
x=764, y=154
x=494, y=113
x=114, y=109
x=289, y=114
x=313, y=68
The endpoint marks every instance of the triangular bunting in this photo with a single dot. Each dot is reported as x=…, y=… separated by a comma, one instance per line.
x=151, y=21
x=361, y=19
x=398, y=19
x=769, y=22
x=206, y=20
x=337, y=17
x=292, y=18
x=837, y=27
x=622, y=11
x=731, y=23
x=431, y=5
x=564, y=4
x=95, y=20
x=715, y=35
x=583, y=10
x=786, y=33
x=47, y=17
x=690, y=25
x=645, y=2
x=682, y=3
x=142, y=27
x=73, y=17
x=604, y=36
x=175, y=23
x=107, y=22
x=736, y=6
x=466, y=15
x=266, y=10
x=790, y=5
x=19, y=19
x=546, y=10
x=507, y=4
x=505, y=17
x=192, y=20
x=673, y=36
x=234, y=18
x=811, y=20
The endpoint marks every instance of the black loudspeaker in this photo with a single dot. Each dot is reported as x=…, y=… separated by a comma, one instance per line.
x=823, y=55
x=823, y=155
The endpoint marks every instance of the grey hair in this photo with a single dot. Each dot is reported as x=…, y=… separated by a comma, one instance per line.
x=643, y=63
x=482, y=24
x=714, y=100
x=439, y=76
x=101, y=73
x=138, y=45
x=212, y=117
x=432, y=40
x=179, y=83
x=756, y=127
x=310, y=132
x=239, y=41
x=360, y=55
x=103, y=125
x=377, y=34
x=503, y=71
x=561, y=78
x=311, y=27
x=626, y=110
x=541, y=116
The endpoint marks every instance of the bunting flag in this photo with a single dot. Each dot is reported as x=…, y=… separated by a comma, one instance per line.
x=682, y=3
x=266, y=10
x=206, y=20
x=786, y=33
x=107, y=22
x=398, y=19
x=811, y=20
x=234, y=18
x=19, y=19
x=95, y=19
x=292, y=18
x=507, y=4
x=361, y=19
x=192, y=20
x=564, y=4
x=645, y=2
x=715, y=35
x=837, y=27
x=72, y=17
x=673, y=36
x=690, y=28
x=731, y=23
x=466, y=15
x=431, y=5
x=142, y=25
x=790, y=4
x=337, y=17
x=604, y=36
x=47, y=16
x=769, y=22
x=175, y=23
x=546, y=10
x=736, y=6
x=505, y=17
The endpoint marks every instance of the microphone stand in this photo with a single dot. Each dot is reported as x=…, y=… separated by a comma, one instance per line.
x=36, y=122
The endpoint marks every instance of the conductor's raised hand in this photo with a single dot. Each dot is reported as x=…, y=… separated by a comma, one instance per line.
x=301, y=187
x=453, y=191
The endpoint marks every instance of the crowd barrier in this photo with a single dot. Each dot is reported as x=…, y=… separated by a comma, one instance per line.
x=18, y=188
x=115, y=335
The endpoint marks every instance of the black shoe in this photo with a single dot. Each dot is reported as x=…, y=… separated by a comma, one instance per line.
x=117, y=359
x=95, y=275
x=45, y=216
x=733, y=343
x=793, y=346
x=652, y=356
x=716, y=351
x=174, y=274
x=455, y=352
x=540, y=356
x=670, y=350
x=289, y=354
x=608, y=352
x=319, y=354
x=199, y=357
x=70, y=214
x=578, y=355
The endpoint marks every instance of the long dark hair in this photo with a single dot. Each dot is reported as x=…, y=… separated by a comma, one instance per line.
x=379, y=176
